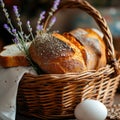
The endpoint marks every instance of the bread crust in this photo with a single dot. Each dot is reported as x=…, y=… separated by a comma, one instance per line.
x=11, y=56
x=94, y=46
x=60, y=55
x=13, y=61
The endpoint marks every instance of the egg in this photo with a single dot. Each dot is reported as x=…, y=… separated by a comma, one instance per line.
x=90, y=110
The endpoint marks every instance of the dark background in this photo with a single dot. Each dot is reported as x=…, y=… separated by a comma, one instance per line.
x=30, y=9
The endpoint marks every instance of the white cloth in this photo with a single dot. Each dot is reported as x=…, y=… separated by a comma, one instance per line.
x=9, y=80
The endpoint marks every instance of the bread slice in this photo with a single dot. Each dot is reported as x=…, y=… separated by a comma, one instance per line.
x=11, y=56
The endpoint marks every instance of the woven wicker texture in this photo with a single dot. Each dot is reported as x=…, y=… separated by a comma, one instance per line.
x=54, y=96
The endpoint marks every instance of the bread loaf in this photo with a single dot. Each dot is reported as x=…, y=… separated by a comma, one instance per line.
x=11, y=56
x=93, y=44
x=56, y=54
x=76, y=51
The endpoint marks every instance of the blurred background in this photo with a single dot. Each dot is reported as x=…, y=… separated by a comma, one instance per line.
x=66, y=19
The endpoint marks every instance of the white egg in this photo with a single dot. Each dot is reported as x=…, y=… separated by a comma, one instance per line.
x=90, y=110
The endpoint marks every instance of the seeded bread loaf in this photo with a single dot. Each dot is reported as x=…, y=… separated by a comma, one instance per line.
x=11, y=56
x=56, y=54
x=70, y=52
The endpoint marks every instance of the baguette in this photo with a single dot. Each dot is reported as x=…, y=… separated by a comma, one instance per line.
x=11, y=56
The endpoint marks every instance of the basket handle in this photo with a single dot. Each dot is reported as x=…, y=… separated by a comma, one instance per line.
x=101, y=22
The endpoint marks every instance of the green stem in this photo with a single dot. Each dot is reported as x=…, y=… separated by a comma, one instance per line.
x=32, y=36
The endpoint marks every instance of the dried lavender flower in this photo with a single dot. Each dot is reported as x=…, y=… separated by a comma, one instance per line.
x=17, y=34
x=29, y=26
x=15, y=40
x=53, y=9
x=41, y=17
x=39, y=27
x=6, y=13
x=14, y=31
x=15, y=9
x=30, y=29
x=7, y=27
x=52, y=22
x=55, y=5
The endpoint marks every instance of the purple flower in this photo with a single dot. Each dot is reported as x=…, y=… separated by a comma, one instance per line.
x=6, y=27
x=39, y=27
x=29, y=26
x=55, y=5
x=15, y=40
x=14, y=30
x=28, y=23
x=52, y=22
x=42, y=15
x=30, y=29
x=15, y=9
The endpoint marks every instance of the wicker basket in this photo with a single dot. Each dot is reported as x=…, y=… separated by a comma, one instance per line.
x=54, y=96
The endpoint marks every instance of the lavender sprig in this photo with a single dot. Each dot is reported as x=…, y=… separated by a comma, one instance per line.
x=15, y=40
x=53, y=9
x=19, y=41
x=30, y=29
x=8, y=29
x=39, y=26
x=15, y=9
x=6, y=13
x=23, y=37
x=11, y=28
x=11, y=31
x=55, y=5
x=19, y=38
x=53, y=20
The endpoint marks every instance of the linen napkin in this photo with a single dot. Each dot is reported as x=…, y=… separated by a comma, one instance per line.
x=9, y=81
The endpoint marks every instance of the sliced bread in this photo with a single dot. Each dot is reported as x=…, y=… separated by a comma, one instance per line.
x=11, y=56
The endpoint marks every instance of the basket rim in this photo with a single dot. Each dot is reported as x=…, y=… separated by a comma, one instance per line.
x=106, y=70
